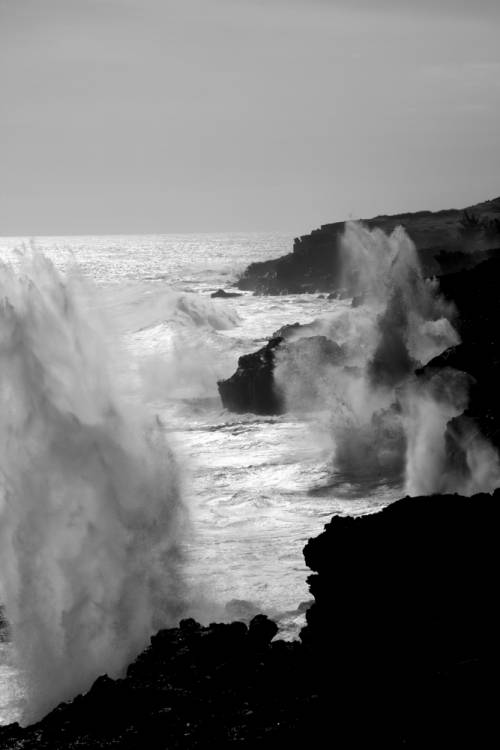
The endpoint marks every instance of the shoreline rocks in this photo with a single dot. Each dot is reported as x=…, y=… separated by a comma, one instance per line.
x=222, y=294
x=252, y=388
x=476, y=295
x=475, y=292
x=396, y=652
x=446, y=241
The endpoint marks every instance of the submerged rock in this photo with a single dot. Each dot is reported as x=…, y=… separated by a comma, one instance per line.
x=397, y=651
x=222, y=294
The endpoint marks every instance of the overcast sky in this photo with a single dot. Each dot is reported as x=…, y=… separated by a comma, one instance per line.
x=131, y=116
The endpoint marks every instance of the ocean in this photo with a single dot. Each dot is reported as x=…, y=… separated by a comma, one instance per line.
x=256, y=488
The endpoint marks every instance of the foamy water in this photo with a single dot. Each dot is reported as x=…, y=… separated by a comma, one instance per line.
x=256, y=488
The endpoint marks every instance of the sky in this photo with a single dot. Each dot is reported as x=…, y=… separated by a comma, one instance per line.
x=158, y=116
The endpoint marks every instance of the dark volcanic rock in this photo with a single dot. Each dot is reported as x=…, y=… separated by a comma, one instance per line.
x=403, y=619
x=476, y=295
x=446, y=241
x=222, y=294
x=297, y=330
x=4, y=626
x=194, y=686
x=397, y=651
x=252, y=388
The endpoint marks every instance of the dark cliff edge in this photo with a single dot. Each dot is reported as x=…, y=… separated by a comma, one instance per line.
x=396, y=652
x=447, y=241
x=476, y=295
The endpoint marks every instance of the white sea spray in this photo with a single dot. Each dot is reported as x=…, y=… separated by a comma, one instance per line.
x=91, y=516
x=385, y=423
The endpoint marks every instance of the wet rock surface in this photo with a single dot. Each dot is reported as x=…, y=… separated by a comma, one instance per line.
x=222, y=294
x=253, y=388
x=397, y=651
x=476, y=295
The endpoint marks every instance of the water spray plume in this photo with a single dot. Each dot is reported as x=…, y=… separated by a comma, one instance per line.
x=387, y=424
x=90, y=509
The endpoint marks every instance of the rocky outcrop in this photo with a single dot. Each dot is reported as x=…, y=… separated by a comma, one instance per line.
x=252, y=388
x=4, y=626
x=397, y=651
x=475, y=292
x=222, y=294
x=194, y=687
x=403, y=620
x=446, y=241
x=476, y=295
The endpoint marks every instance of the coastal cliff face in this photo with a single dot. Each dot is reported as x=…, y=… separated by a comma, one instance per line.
x=405, y=589
x=476, y=296
x=395, y=651
x=446, y=241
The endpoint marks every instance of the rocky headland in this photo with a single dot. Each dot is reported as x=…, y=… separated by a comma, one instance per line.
x=396, y=651
x=446, y=241
x=475, y=293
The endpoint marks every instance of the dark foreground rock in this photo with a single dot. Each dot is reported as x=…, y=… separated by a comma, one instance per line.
x=397, y=652
x=446, y=241
x=222, y=294
x=404, y=622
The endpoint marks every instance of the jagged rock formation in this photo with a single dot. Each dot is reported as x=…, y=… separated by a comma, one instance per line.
x=252, y=387
x=403, y=620
x=476, y=294
x=447, y=241
x=222, y=294
x=4, y=626
x=397, y=651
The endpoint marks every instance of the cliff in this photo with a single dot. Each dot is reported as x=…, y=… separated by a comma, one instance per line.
x=396, y=652
x=476, y=296
x=403, y=621
x=446, y=241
